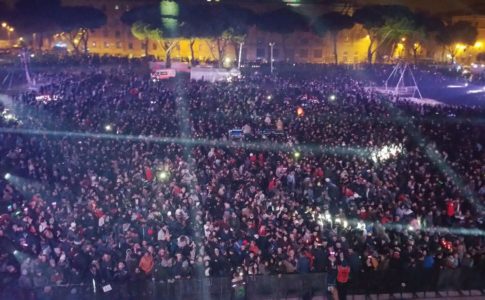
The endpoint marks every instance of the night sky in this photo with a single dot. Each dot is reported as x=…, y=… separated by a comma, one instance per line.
x=436, y=6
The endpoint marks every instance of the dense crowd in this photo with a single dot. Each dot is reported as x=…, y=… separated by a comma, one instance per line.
x=118, y=180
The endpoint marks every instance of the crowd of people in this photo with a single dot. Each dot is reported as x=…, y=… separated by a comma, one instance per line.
x=115, y=180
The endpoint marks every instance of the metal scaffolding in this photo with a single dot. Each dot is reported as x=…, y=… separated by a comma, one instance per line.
x=406, y=83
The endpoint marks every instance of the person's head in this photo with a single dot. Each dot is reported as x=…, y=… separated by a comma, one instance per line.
x=42, y=258
x=106, y=257
x=179, y=256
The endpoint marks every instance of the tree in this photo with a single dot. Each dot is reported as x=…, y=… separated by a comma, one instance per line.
x=236, y=42
x=426, y=28
x=228, y=37
x=481, y=57
x=395, y=30
x=169, y=21
x=78, y=22
x=194, y=26
x=416, y=40
x=41, y=17
x=382, y=22
x=283, y=21
x=141, y=32
x=167, y=44
x=30, y=17
x=452, y=35
x=333, y=23
x=228, y=24
x=160, y=23
x=139, y=20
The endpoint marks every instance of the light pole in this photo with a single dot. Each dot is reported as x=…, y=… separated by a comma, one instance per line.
x=240, y=54
x=10, y=30
x=7, y=29
x=271, y=45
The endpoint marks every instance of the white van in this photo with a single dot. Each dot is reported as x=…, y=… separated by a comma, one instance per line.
x=162, y=74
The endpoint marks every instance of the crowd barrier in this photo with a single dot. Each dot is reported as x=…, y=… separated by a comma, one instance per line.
x=291, y=286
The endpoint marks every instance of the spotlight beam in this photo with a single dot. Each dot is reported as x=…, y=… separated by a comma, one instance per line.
x=311, y=149
x=356, y=223
x=434, y=156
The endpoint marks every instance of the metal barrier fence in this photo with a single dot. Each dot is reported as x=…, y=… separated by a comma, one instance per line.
x=300, y=286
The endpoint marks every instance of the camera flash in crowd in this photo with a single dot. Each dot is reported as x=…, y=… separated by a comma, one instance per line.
x=162, y=176
x=300, y=112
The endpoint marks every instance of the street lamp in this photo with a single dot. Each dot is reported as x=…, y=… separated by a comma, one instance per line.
x=271, y=45
x=9, y=33
x=240, y=54
x=9, y=30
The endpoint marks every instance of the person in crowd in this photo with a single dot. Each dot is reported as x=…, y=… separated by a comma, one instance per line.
x=147, y=184
x=343, y=271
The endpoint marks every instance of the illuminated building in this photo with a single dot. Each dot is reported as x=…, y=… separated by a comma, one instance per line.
x=302, y=47
x=116, y=39
x=468, y=55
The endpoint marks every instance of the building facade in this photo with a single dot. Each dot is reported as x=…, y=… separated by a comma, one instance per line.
x=116, y=38
x=467, y=53
x=305, y=47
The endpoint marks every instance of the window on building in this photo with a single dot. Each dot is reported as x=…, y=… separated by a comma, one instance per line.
x=305, y=41
x=304, y=53
x=260, y=41
x=118, y=34
x=154, y=46
x=317, y=53
x=345, y=59
x=260, y=52
x=93, y=44
x=118, y=45
x=105, y=33
x=130, y=45
x=106, y=44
